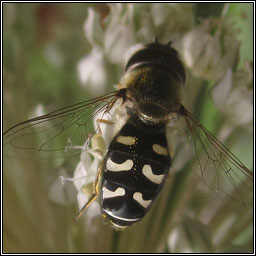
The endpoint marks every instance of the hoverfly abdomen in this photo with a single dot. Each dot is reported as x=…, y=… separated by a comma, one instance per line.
x=135, y=168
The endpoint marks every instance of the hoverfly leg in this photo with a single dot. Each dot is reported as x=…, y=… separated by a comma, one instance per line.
x=103, y=121
x=95, y=193
x=98, y=146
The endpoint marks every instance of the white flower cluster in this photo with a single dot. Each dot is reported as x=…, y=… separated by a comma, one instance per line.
x=211, y=48
x=125, y=26
x=233, y=95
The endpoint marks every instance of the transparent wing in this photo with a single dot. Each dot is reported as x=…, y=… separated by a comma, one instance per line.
x=219, y=168
x=57, y=134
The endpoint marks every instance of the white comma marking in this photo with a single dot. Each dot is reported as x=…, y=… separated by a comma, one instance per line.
x=126, y=140
x=114, y=167
x=160, y=150
x=108, y=193
x=118, y=217
x=147, y=171
x=137, y=196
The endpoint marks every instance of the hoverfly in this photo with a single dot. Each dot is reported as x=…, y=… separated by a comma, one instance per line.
x=137, y=161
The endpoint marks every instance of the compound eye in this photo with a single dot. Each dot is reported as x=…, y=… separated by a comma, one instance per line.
x=152, y=111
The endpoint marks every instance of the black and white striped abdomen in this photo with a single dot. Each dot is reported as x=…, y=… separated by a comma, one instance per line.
x=135, y=169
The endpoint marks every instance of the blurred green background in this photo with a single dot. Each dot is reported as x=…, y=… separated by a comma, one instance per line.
x=42, y=45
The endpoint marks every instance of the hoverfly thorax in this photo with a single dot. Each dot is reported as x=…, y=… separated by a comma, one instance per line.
x=154, y=77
